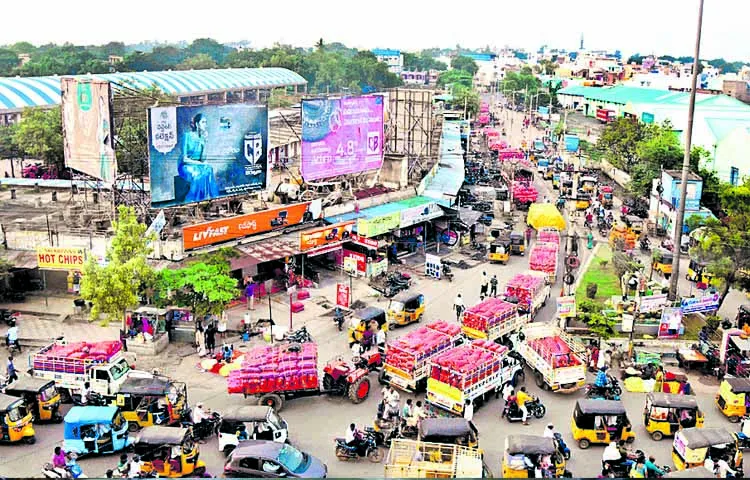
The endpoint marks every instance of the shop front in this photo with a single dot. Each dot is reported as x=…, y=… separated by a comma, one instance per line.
x=415, y=227
x=365, y=257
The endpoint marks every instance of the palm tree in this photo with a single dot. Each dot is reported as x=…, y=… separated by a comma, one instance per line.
x=319, y=44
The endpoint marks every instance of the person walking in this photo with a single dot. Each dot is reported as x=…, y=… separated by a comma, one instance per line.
x=11, y=369
x=528, y=236
x=493, y=286
x=485, y=285
x=200, y=340
x=458, y=306
x=221, y=328
x=211, y=337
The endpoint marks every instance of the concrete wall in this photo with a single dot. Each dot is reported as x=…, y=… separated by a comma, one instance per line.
x=395, y=172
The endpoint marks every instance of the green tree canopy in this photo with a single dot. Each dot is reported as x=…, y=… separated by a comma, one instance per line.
x=455, y=77
x=200, y=61
x=467, y=64
x=39, y=135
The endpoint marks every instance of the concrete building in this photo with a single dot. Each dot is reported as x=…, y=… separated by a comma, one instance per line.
x=393, y=58
x=410, y=77
x=739, y=89
x=663, y=208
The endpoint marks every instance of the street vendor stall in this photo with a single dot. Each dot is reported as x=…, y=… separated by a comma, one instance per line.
x=146, y=328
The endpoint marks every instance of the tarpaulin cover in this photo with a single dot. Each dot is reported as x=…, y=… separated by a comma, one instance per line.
x=543, y=215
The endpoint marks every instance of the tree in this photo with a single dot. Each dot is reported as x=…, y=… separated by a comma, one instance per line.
x=22, y=47
x=8, y=146
x=600, y=325
x=466, y=97
x=636, y=58
x=208, y=46
x=455, y=77
x=659, y=149
x=619, y=140
x=114, y=287
x=39, y=135
x=466, y=64
x=200, y=61
x=8, y=61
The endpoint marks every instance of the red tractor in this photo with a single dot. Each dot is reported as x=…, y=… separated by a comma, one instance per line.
x=342, y=377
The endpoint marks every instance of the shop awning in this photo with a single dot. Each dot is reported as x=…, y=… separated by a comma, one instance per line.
x=270, y=249
x=19, y=258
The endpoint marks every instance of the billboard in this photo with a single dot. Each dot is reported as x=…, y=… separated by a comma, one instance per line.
x=341, y=136
x=88, y=142
x=706, y=303
x=60, y=258
x=225, y=229
x=206, y=152
x=319, y=237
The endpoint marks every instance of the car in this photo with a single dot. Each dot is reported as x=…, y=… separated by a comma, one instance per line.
x=263, y=458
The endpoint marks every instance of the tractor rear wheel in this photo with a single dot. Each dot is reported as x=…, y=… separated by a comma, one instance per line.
x=272, y=400
x=359, y=390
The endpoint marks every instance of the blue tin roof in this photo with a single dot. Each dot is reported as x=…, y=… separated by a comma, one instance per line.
x=481, y=57
x=21, y=92
x=450, y=171
x=386, y=52
x=90, y=414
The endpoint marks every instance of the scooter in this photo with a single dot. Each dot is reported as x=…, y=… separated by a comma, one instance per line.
x=55, y=472
x=299, y=336
x=338, y=318
x=611, y=392
x=366, y=447
x=513, y=414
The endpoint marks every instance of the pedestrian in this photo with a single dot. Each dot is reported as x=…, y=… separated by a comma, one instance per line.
x=124, y=339
x=458, y=306
x=222, y=326
x=11, y=368
x=169, y=324
x=380, y=340
x=210, y=335
x=200, y=340
x=493, y=286
x=528, y=236
x=484, y=285
x=468, y=410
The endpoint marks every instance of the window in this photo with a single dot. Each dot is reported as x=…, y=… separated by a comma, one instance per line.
x=102, y=375
x=249, y=463
x=734, y=176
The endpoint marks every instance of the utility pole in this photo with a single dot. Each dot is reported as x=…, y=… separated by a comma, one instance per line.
x=674, y=281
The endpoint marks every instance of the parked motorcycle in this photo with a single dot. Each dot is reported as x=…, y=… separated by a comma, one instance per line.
x=300, y=335
x=366, y=447
x=513, y=414
x=447, y=273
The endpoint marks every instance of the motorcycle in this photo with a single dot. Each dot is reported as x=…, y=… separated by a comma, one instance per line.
x=562, y=447
x=611, y=392
x=94, y=399
x=645, y=245
x=338, y=318
x=513, y=414
x=299, y=336
x=9, y=317
x=56, y=472
x=447, y=273
x=365, y=447
x=205, y=429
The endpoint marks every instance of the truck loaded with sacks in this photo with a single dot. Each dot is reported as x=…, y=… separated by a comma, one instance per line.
x=558, y=362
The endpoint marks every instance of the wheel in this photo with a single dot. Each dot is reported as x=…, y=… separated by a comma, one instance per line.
x=617, y=390
x=539, y=411
x=30, y=440
x=359, y=390
x=228, y=449
x=539, y=380
x=734, y=419
x=419, y=318
x=133, y=427
x=375, y=455
x=382, y=378
x=518, y=378
x=199, y=472
x=272, y=400
x=341, y=454
x=583, y=444
x=657, y=435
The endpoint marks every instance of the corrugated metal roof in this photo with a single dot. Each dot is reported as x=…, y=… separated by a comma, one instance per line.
x=385, y=52
x=721, y=127
x=450, y=171
x=17, y=93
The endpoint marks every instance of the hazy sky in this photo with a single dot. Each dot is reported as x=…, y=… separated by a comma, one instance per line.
x=645, y=26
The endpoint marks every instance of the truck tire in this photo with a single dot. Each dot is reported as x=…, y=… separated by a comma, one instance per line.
x=272, y=400
x=359, y=390
x=539, y=380
x=518, y=378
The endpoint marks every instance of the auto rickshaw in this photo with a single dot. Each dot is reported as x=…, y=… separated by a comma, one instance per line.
x=250, y=422
x=696, y=472
x=152, y=401
x=518, y=447
x=169, y=452
x=743, y=316
x=556, y=180
x=600, y=421
x=692, y=445
x=517, y=245
x=367, y=317
x=94, y=430
x=40, y=396
x=635, y=224
x=500, y=251
x=697, y=272
x=583, y=201
x=606, y=194
x=15, y=420
x=666, y=413
x=450, y=430
x=587, y=184
x=733, y=399
x=406, y=308
x=662, y=262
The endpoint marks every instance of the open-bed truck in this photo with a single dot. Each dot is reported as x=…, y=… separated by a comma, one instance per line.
x=493, y=320
x=530, y=289
x=557, y=361
x=415, y=459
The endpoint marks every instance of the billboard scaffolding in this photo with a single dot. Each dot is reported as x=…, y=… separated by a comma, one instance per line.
x=410, y=127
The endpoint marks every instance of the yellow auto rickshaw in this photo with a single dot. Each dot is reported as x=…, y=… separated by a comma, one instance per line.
x=15, y=421
x=698, y=272
x=499, y=251
x=369, y=317
x=449, y=430
x=692, y=445
x=520, y=447
x=583, y=202
x=41, y=397
x=169, y=451
x=146, y=402
x=695, y=472
x=662, y=262
x=517, y=245
x=601, y=422
x=587, y=184
x=666, y=413
x=732, y=398
x=406, y=308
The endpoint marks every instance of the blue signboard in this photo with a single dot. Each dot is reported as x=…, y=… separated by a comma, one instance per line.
x=647, y=117
x=708, y=303
x=571, y=143
x=543, y=110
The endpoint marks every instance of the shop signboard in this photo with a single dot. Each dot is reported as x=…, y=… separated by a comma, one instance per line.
x=566, y=307
x=354, y=262
x=60, y=258
x=365, y=242
x=379, y=266
x=343, y=295
x=421, y=213
x=652, y=303
x=605, y=115
x=543, y=110
x=319, y=237
x=225, y=229
x=647, y=117
x=671, y=323
x=571, y=143
x=372, y=227
x=341, y=136
x=706, y=303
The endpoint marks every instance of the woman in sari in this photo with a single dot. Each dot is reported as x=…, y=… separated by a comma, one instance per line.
x=192, y=166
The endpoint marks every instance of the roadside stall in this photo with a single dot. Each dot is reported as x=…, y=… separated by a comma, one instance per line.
x=147, y=327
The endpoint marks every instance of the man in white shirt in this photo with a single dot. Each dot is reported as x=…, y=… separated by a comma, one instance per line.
x=458, y=306
x=380, y=340
x=135, y=467
x=724, y=467
x=708, y=464
x=468, y=410
x=85, y=393
x=356, y=351
x=352, y=435
x=611, y=454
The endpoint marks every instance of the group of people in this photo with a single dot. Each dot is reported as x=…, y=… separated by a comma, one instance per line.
x=205, y=336
x=373, y=336
x=488, y=286
x=617, y=459
x=67, y=461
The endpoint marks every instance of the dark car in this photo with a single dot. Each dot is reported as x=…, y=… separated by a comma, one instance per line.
x=261, y=458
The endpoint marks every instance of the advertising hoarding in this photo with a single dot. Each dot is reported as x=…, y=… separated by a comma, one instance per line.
x=566, y=307
x=320, y=237
x=225, y=229
x=341, y=136
x=652, y=303
x=420, y=213
x=343, y=295
x=372, y=227
x=671, y=323
x=206, y=152
x=706, y=303
x=88, y=142
x=60, y=258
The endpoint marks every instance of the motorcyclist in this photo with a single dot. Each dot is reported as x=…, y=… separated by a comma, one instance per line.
x=521, y=398
x=601, y=384
x=72, y=466
x=200, y=419
x=652, y=471
x=85, y=393
x=354, y=437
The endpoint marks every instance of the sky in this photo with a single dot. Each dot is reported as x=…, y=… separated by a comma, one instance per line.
x=632, y=26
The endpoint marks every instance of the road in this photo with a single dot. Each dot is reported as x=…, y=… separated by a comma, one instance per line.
x=314, y=422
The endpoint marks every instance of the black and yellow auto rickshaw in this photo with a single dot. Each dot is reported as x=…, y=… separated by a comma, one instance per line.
x=698, y=272
x=583, y=201
x=601, y=422
x=169, y=452
x=373, y=318
x=450, y=430
x=662, y=262
x=145, y=402
x=15, y=421
x=41, y=397
x=692, y=446
x=406, y=308
x=520, y=448
x=732, y=398
x=666, y=413
x=499, y=251
x=517, y=245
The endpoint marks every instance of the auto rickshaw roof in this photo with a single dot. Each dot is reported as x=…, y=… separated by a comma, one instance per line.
x=589, y=179
x=739, y=385
x=405, y=297
x=671, y=400
x=7, y=401
x=695, y=472
x=245, y=413
x=741, y=343
x=146, y=386
x=515, y=236
x=90, y=414
x=601, y=407
x=368, y=313
x=706, y=437
x=445, y=427
x=530, y=445
x=28, y=384
x=162, y=436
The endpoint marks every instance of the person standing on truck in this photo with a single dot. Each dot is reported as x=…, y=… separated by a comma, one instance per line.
x=458, y=306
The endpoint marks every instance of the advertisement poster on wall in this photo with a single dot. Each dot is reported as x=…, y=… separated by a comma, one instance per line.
x=671, y=323
x=652, y=303
x=206, y=152
x=225, y=229
x=372, y=227
x=60, y=258
x=88, y=143
x=320, y=237
x=343, y=295
x=341, y=136
x=420, y=213
x=706, y=303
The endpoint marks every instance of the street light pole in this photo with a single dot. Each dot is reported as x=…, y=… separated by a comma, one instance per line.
x=674, y=281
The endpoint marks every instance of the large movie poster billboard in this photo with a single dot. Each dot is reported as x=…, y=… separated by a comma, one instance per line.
x=341, y=136
x=88, y=142
x=206, y=152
